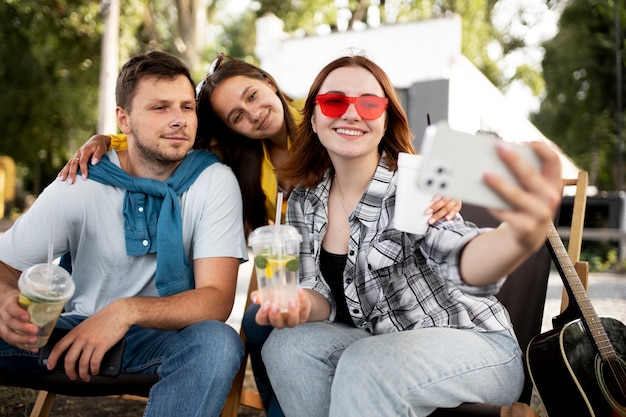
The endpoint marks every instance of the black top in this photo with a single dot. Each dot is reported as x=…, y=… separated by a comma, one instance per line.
x=332, y=266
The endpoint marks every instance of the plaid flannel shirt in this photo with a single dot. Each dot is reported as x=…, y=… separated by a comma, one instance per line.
x=393, y=280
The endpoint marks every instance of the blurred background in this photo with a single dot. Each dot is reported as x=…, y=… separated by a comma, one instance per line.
x=556, y=66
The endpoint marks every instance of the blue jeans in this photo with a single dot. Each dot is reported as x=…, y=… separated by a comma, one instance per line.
x=255, y=338
x=329, y=369
x=196, y=365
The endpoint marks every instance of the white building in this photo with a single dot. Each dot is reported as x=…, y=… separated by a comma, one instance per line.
x=425, y=64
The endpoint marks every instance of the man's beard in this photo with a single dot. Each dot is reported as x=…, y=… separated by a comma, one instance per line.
x=154, y=156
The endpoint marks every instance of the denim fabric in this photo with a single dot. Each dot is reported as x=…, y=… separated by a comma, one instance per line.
x=255, y=338
x=196, y=365
x=329, y=369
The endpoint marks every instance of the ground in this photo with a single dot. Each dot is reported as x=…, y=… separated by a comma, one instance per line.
x=17, y=402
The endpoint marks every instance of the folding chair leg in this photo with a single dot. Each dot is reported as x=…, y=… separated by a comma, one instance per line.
x=231, y=407
x=518, y=410
x=43, y=404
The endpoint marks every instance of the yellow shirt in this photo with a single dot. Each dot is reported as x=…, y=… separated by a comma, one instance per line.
x=269, y=182
x=118, y=142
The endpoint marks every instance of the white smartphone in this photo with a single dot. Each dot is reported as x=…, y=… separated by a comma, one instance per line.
x=454, y=164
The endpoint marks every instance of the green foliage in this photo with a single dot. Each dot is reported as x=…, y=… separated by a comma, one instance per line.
x=580, y=107
x=49, y=56
x=601, y=256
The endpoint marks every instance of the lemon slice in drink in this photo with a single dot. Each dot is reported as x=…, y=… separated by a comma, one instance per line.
x=23, y=301
x=42, y=313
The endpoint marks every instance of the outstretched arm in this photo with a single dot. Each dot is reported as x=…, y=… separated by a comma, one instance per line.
x=524, y=228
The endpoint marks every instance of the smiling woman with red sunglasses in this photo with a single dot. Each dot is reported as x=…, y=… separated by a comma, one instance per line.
x=389, y=323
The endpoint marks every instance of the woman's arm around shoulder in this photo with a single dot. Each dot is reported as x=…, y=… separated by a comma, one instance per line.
x=92, y=150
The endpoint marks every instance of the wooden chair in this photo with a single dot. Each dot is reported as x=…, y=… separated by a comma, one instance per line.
x=524, y=295
x=576, y=233
x=129, y=386
x=238, y=394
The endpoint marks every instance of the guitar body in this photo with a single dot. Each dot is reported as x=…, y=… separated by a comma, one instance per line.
x=570, y=376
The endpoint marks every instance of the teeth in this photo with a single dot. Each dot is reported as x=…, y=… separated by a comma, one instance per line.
x=349, y=132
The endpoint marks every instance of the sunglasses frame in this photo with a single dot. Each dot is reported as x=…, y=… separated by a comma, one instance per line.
x=214, y=66
x=323, y=100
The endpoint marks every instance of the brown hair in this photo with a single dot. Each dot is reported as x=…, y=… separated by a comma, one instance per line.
x=309, y=160
x=242, y=154
x=154, y=64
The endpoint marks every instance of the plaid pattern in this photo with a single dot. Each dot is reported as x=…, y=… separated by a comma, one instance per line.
x=394, y=281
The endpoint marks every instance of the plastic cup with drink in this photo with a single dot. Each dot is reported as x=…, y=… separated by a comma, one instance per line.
x=276, y=251
x=44, y=290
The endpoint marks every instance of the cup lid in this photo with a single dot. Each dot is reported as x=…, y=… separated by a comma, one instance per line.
x=268, y=234
x=50, y=282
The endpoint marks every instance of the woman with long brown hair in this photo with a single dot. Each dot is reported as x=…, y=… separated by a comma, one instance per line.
x=390, y=323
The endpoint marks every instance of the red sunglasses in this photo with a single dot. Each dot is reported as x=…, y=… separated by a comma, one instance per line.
x=368, y=107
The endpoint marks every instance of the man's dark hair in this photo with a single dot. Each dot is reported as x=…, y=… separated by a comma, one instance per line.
x=154, y=64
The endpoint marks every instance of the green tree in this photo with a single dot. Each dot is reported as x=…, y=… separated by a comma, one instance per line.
x=49, y=70
x=49, y=55
x=579, y=111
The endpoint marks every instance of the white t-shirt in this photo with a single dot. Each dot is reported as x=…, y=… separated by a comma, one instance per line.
x=86, y=219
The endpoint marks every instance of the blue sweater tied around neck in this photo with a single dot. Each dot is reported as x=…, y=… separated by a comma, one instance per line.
x=152, y=217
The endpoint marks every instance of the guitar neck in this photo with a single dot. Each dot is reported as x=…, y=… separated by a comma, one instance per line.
x=578, y=294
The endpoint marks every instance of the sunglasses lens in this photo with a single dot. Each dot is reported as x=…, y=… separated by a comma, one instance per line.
x=333, y=105
x=371, y=107
x=368, y=107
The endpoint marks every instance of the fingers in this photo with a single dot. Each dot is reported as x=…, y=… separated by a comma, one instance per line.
x=272, y=313
x=442, y=207
x=70, y=169
x=82, y=357
x=551, y=165
x=537, y=197
x=545, y=186
x=63, y=174
x=98, y=153
x=15, y=328
x=92, y=151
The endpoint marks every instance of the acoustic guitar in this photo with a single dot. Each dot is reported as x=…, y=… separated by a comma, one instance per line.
x=578, y=367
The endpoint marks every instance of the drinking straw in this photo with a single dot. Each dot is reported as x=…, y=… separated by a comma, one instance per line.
x=277, y=217
x=279, y=208
x=277, y=220
x=49, y=267
x=49, y=247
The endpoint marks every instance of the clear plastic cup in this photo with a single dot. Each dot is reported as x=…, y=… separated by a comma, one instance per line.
x=276, y=251
x=411, y=202
x=44, y=290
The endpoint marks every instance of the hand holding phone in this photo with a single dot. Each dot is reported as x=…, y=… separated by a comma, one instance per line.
x=111, y=362
x=454, y=164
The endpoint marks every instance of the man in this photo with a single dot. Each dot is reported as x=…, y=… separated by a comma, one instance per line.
x=155, y=253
